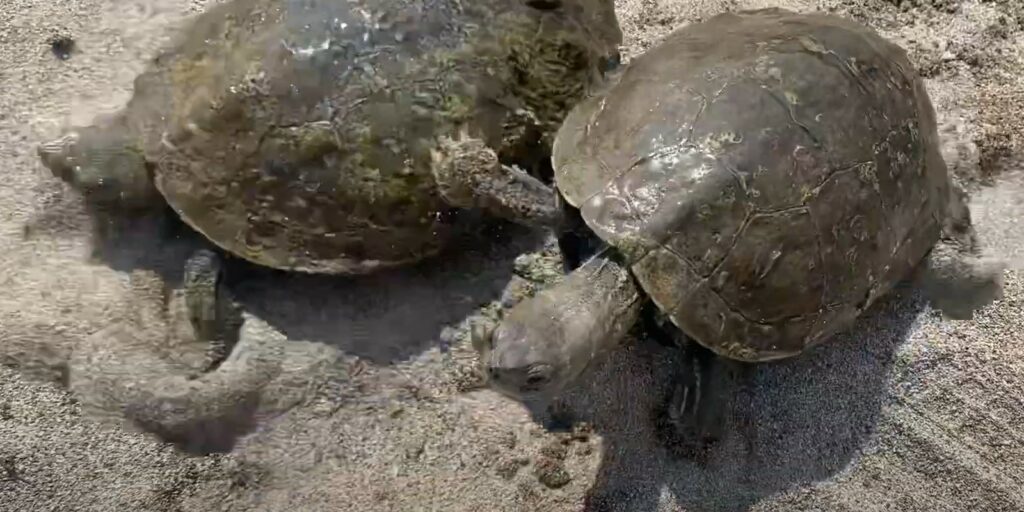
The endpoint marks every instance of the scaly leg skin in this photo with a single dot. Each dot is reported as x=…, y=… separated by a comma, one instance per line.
x=470, y=175
x=697, y=407
x=212, y=311
x=956, y=278
x=118, y=374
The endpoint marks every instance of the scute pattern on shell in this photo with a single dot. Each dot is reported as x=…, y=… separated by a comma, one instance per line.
x=769, y=174
x=298, y=133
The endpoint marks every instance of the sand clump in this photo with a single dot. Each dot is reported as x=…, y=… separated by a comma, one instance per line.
x=376, y=403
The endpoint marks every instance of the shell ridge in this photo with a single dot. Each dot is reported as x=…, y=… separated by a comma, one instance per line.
x=792, y=116
x=736, y=239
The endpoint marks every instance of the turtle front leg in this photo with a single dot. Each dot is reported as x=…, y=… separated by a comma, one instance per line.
x=212, y=311
x=470, y=175
x=696, y=409
x=955, y=277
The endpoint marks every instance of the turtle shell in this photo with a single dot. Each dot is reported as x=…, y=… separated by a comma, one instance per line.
x=298, y=133
x=767, y=174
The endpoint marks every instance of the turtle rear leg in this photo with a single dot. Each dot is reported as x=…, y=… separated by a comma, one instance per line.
x=470, y=175
x=955, y=277
x=959, y=282
x=127, y=372
x=697, y=406
x=214, y=315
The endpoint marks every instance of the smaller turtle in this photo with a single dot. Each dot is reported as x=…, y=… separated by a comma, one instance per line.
x=760, y=179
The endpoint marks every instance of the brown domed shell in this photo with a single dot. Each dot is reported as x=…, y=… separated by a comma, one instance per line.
x=768, y=174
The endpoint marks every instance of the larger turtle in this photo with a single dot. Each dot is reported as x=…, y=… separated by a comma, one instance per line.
x=761, y=179
x=334, y=136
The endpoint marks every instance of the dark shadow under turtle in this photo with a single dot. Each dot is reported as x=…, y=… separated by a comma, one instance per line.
x=395, y=315
x=791, y=423
x=782, y=424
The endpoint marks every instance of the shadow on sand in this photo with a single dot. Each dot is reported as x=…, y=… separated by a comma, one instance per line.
x=793, y=422
x=383, y=318
x=395, y=314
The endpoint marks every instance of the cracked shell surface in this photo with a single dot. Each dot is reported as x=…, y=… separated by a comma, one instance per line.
x=298, y=133
x=766, y=189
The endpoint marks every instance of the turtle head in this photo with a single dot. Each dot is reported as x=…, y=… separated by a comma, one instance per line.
x=525, y=357
x=100, y=162
x=545, y=342
x=56, y=154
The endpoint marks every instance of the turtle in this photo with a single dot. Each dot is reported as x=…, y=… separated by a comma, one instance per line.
x=331, y=137
x=758, y=180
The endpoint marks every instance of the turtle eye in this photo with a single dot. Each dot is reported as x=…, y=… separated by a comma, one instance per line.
x=535, y=380
x=538, y=376
x=544, y=5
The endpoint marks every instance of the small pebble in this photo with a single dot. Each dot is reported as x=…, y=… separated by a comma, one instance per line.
x=507, y=439
x=554, y=450
x=62, y=46
x=414, y=449
x=508, y=467
x=551, y=472
x=584, y=450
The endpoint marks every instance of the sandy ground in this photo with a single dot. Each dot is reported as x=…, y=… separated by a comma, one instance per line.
x=375, y=406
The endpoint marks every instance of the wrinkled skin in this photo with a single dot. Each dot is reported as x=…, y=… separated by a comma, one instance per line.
x=334, y=137
x=763, y=189
x=545, y=342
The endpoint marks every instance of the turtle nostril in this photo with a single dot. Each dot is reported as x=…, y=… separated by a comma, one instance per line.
x=493, y=373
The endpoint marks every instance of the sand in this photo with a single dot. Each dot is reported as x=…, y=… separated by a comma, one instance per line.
x=374, y=404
